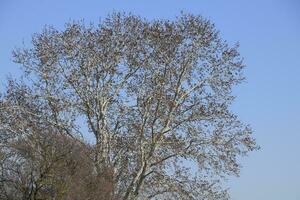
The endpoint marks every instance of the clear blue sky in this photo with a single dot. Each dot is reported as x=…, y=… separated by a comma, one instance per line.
x=269, y=34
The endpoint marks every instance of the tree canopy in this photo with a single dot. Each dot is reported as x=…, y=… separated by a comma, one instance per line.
x=154, y=95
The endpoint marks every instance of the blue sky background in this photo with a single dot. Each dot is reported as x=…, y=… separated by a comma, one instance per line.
x=269, y=35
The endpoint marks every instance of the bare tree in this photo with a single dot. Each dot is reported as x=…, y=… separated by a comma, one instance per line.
x=155, y=95
x=37, y=161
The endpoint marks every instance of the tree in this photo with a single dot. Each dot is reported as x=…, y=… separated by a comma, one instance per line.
x=155, y=95
x=37, y=161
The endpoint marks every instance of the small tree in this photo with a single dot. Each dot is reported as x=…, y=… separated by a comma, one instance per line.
x=37, y=161
x=155, y=96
